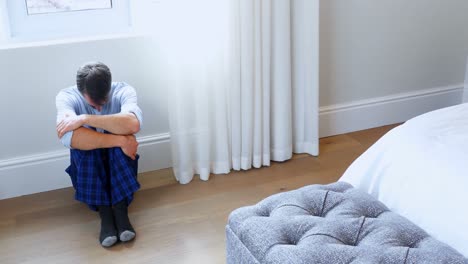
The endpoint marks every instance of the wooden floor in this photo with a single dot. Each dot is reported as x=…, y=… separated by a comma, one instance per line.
x=174, y=223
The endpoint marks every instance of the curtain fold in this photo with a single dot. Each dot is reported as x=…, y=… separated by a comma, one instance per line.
x=465, y=90
x=243, y=84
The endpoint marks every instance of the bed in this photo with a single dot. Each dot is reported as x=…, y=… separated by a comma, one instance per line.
x=404, y=200
x=420, y=171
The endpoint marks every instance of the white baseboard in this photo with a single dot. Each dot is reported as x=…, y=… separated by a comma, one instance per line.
x=46, y=171
x=381, y=111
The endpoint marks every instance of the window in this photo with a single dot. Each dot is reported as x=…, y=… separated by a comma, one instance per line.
x=35, y=7
x=31, y=20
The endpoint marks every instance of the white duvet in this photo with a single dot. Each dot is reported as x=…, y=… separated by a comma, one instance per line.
x=420, y=170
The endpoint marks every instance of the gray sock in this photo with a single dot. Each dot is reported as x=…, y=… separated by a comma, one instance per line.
x=124, y=227
x=108, y=235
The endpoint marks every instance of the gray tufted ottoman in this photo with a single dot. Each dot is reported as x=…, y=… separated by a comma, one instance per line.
x=332, y=223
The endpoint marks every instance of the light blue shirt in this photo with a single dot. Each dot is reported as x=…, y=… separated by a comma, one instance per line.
x=122, y=99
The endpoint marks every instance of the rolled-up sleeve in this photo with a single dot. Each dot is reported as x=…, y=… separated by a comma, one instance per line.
x=64, y=107
x=66, y=139
x=129, y=104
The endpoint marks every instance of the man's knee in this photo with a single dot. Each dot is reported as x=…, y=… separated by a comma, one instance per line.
x=85, y=153
x=88, y=158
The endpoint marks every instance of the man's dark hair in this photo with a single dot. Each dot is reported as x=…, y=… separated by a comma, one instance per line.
x=95, y=80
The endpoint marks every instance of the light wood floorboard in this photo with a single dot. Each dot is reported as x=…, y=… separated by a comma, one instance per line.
x=174, y=223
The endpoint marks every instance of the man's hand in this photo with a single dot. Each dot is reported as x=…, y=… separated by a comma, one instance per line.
x=130, y=146
x=70, y=123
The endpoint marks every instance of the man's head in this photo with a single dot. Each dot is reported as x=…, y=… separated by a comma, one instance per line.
x=94, y=81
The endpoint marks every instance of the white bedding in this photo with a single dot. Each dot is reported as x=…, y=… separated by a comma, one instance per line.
x=420, y=170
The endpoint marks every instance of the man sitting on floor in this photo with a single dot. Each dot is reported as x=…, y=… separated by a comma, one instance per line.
x=97, y=120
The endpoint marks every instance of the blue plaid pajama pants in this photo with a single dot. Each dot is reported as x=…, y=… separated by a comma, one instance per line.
x=103, y=176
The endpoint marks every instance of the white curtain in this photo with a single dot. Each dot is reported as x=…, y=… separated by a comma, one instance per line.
x=243, y=81
x=465, y=90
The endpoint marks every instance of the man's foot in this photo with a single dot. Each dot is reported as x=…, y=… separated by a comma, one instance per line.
x=124, y=228
x=108, y=235
x=108, y=241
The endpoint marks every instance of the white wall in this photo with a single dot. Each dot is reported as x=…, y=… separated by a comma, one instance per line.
x=377, y=48
x=381, y=62
x=31, y=77
x=31, y=158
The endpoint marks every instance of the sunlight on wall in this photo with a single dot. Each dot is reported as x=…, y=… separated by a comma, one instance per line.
x=194, y=31
x=196, y=39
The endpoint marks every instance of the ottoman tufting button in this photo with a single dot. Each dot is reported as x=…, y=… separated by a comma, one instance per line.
x=264, y=214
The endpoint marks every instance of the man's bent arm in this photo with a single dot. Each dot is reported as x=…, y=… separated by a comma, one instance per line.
x=88, y=139
x=119, y=124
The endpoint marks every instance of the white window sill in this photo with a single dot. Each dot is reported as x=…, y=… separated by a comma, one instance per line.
x=62, y=41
